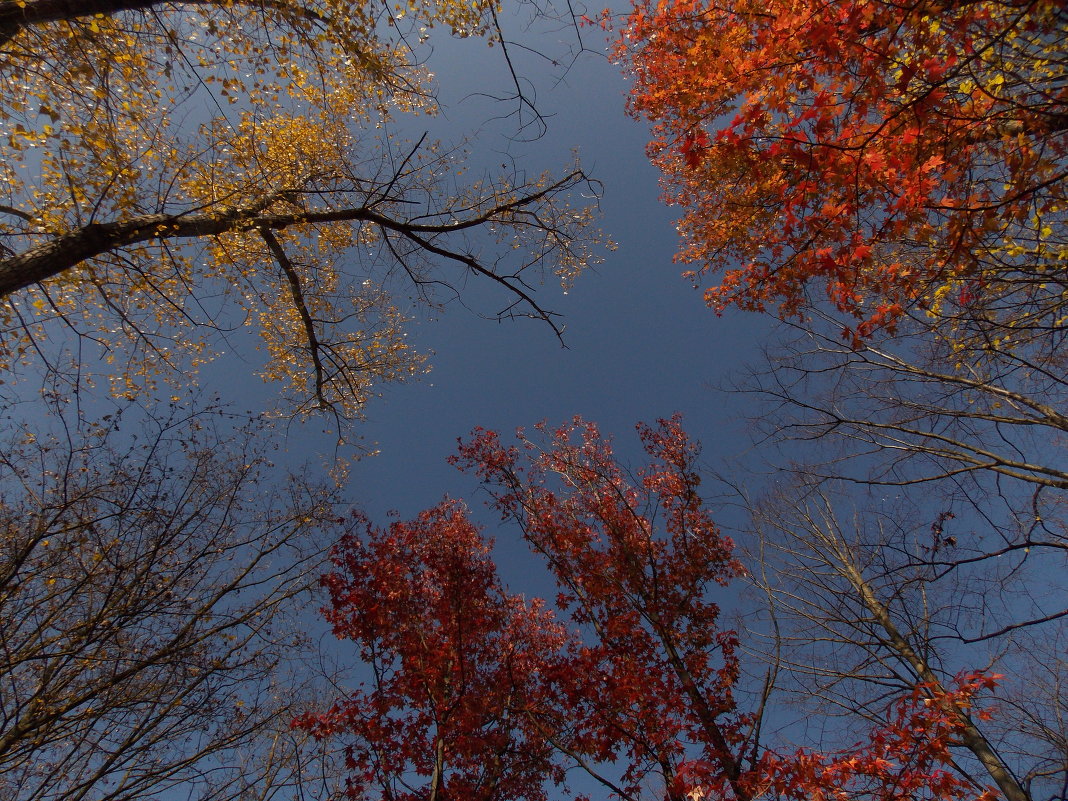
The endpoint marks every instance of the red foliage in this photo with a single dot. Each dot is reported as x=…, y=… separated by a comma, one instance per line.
x=635, y=561
x=456, y=665
x=874, y=148
x=478, y=694
x=906, y=759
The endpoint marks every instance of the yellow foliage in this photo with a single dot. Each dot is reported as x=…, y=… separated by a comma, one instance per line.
x=211, y=130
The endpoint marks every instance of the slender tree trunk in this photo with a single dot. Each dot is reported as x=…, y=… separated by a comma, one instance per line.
x=971, y=737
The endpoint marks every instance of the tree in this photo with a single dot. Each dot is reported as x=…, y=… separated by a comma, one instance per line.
x=174, y=172
x=454, y=659
x=149, y=587
x=949, y=548
x=865, y=605
x=895, y=155
x=470, y=688
x=910, y=158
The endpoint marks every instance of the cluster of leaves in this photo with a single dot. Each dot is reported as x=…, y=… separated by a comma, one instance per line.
x=894, y=155
x=635, y=562
x=907, y=758
x=455, y=661
x=173, y=173
x=480, y=694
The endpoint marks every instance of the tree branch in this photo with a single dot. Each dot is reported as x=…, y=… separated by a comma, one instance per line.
x=302, y=308
x=65, y=251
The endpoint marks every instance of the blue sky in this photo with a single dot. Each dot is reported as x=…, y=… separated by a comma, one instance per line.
x=640, y=344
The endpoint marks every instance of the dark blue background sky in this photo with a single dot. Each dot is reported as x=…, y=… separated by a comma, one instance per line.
x=640, y=344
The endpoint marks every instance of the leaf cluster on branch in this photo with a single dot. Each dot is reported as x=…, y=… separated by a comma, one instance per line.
x=174, y=173
x=888, y=155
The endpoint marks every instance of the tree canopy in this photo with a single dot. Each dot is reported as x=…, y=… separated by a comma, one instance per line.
x=891, y=156
x=477, y=693
x=888, y=179
x=174, y=172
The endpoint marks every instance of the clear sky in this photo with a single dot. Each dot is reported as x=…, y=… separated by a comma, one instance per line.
x=640, y=344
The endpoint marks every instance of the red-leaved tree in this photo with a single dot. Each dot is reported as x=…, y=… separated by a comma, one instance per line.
x=476, y=694
x=450, y=710
x=892, y=154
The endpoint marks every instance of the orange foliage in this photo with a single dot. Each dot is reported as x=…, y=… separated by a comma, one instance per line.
x=877, y=150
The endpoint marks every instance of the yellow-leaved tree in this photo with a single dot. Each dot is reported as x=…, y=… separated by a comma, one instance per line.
x=173, y=171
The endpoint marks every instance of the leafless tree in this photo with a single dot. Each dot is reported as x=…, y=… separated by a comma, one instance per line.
x=923, y=531
x=870, y=603
x=150, y=587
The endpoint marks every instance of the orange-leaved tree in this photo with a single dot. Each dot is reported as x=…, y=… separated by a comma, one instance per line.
x=475, y=693
x=894, y=155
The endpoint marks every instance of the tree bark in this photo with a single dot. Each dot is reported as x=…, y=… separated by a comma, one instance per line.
x=14, y=17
